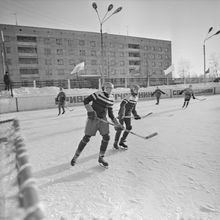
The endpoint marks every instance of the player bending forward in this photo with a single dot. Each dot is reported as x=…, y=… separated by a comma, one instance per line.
x=188, y=93
x=101, y=104
x=127, y=106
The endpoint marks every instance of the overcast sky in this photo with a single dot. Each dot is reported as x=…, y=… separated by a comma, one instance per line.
x=184, y=22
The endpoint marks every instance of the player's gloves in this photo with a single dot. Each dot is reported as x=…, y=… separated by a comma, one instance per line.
x=118, y=126
x=120, y=117
x=194, y=97
x=92, y=115
x=137, y=117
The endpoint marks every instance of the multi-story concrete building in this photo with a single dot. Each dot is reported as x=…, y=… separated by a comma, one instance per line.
x=34, y=53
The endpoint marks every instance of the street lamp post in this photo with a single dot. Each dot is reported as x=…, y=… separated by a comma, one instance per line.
x=101, y=22
x=204, y=51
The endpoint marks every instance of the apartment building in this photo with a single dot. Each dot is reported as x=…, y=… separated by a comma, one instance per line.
x=35, y=53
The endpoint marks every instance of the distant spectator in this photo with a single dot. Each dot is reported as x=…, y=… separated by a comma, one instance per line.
x=7, y=81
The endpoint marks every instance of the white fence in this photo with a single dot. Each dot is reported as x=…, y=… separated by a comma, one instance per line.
x=46, y=102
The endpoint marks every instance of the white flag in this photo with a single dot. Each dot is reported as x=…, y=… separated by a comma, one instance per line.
x=170, y=69
x=78, y=67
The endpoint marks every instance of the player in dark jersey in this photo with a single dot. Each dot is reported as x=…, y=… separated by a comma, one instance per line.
x=60, y=99
x=127, y=106
x=101, y=105
x=157, y=93
x=188, y=93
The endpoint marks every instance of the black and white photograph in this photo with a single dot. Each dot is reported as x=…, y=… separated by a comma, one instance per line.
x=110, y=110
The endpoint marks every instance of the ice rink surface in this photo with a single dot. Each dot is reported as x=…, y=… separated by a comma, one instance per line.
x=173, y=176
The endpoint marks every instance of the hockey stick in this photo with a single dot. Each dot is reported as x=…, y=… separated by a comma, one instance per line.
x=131, y=132
x=200, y=99
x=144, y=116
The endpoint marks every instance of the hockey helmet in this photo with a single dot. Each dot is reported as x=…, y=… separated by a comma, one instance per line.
x=107, y=87
x=135, y=89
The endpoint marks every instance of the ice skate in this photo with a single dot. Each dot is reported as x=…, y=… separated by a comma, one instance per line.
x=115, y=146
x=73, y=162
x=102, y=162
x=123, y=146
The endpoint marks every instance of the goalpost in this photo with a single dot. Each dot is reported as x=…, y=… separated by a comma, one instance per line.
x=18, y=193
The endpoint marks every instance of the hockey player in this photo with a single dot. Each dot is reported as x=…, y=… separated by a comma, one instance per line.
x=61, y=98
x=188, y=93
x=157, y=93
x=101, y=105
x=127, y=106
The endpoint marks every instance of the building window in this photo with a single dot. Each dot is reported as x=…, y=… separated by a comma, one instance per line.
x=48, y=62
x=151, y=56
x=70, y=43
x=93, y=62
x=93, y=53
x=134, y=46
x=113, y=71
x=8, y=61
x=122, y=63
x=132, y=54
x=59, y=51
x=71, y=51
x=134, y=62
x=81, y=42
x=60, y=62
x=121, y=46
x=48, y=72
x=46, y=40
x=122, y=71
x=7, y=38
x=27, y=50
x=27, y=39
x=112, y=53
x=112, y=63
x=29, y=71
x=121, y=54
x=28, y=60
x=92, y=43
x=47, y=51
x=82, y=52
x=112, y=45
x=58, y=41
x=133, y=70
x=159, y=56
x=8, y=49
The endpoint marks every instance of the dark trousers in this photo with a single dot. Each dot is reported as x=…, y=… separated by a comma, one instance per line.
x=158, y=100
x=128, y=127
x=61, y=106
x=7, y=87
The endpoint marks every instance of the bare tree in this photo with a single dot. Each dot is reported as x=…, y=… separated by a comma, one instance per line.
x=184, y=67
x=214, y=63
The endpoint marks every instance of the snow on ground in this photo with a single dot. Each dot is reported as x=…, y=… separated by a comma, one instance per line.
x=173, y=176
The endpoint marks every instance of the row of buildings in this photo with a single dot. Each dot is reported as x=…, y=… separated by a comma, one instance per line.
x=44, y=54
